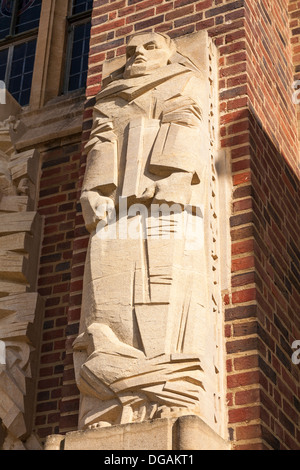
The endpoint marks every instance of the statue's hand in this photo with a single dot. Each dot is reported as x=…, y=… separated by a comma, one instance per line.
x=95, y=208
x=176, y=188
x=148, y=193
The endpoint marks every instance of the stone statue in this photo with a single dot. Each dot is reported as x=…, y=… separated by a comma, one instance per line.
x=20, y=304
x=144, y=348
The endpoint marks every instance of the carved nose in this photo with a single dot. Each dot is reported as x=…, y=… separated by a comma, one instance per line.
x=139, y=50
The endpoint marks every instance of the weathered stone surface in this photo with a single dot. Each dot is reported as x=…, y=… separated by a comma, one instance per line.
x=149, y=344
x=61, y=118
x=19, y=253
x=20, y=323
x=184, y=433
x=20, y=305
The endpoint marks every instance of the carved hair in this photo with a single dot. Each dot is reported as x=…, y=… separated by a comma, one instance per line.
x=167, y=38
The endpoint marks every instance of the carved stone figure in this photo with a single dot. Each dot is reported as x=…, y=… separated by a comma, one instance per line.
x=146, y=347
x=20, y=305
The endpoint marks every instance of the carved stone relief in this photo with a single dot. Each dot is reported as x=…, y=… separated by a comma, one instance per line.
x=149, y=336
x=20, y=305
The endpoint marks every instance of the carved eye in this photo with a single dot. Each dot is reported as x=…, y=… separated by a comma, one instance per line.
x=150, y=46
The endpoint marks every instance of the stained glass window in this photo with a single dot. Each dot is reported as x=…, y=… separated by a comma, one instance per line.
x=19, y=21
x=28, y=16
x=18, y=16
x=5, y=18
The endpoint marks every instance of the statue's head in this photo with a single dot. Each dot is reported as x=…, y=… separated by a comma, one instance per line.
x=146, y=52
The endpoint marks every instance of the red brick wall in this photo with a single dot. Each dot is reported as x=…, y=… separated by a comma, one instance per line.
x=262, y=314
x=259, y=131
x=57, y=203
x=294, y=9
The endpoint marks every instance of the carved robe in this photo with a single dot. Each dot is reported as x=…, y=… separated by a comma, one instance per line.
x=142, y=345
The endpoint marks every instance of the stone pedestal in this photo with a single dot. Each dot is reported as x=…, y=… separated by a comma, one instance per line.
x=184, y=433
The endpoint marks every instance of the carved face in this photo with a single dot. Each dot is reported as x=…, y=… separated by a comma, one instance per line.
x=146, y=53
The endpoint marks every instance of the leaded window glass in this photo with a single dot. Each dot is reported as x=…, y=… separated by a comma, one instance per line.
x=19, y=21
x=18, y=16
x=80, y=6
x=28, y=16
x=78, y=45
x=21, y=71
x=5, y=18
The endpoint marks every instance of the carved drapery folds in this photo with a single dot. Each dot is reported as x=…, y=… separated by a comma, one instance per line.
x=150, y=341
x=20, y=305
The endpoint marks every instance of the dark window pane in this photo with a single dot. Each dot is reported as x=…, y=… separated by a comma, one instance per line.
x=28, y=15
x=85, y=62
x=87, y=45
x=88, y=29
x=79, y=58
x=2, y=72
x=79, y=6
x=21, y=72
x=20, y=51
x=74, y=82
x=16, y=95
x=79, y=32
x=83, y=79
x=15, y=84
x=24, y=97
x=16, y=68
x=29, y=63
x=31, y=47
x=77, y=50
x=6, y=9
x=3, y=63
x=27, y=79
x=75, y=66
